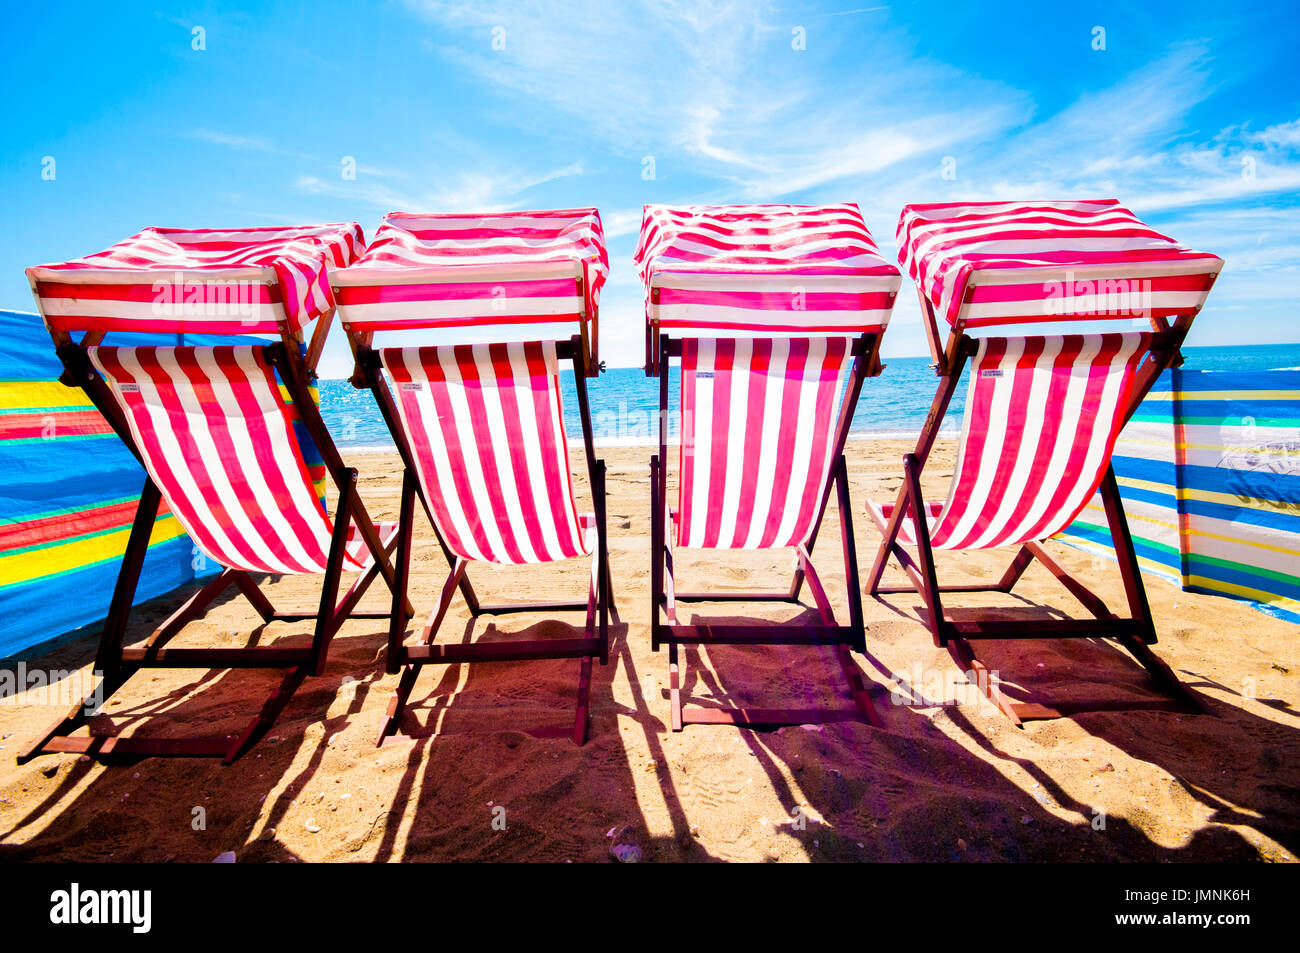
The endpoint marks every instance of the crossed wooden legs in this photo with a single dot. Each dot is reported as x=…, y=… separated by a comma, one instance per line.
x=841, y=638
x=1136, y=633
x=408, y=659
x=117, y=664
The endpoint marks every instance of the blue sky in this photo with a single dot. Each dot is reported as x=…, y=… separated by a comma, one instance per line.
x=1190, y=115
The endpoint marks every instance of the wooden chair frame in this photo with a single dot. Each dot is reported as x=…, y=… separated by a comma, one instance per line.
x=295, y=363
x=408, y=659
x=664, y=597
x=1136, y=633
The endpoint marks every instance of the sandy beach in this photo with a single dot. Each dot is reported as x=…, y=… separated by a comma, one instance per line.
x=945, y=782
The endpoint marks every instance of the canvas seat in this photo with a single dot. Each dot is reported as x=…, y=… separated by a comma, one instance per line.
x=481, y=426
x=774, y=314
x=1043, y=411
x=220, y=432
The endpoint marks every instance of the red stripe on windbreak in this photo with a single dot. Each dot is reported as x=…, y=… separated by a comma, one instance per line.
x=438, y=486
x=457, y=291
x=980, y=401
x=759, y=366
x=828, y=380
x=724, y=361
x=686, y=445
x=64, y=526
x=784, y=436
x=66, y=423
x=482, y=449
x=512, y=424
x=133, y=405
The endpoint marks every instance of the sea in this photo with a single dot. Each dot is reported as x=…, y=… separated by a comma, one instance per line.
x=625, y=403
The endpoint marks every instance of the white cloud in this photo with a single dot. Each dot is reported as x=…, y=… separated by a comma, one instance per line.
x=465, y=191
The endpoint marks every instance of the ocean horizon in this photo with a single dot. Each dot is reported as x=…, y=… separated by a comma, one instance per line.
x=625, y=403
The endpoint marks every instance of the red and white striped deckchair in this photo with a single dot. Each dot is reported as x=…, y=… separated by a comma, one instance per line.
x=1043, y=411
x=219, y=442
x=480, y=426
x=764, y=418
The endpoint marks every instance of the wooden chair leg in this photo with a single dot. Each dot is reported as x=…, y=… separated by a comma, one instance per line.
x=584, y=704
x=674, y=687
x=396, y=705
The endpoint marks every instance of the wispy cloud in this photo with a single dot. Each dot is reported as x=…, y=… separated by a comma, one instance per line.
x=722, y=87
x=244, y=143
x=466, y=191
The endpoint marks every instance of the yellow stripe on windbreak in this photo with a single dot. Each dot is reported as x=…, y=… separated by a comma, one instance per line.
x=1225, y=395
x=20, y=395
x=1244, y=542
x=1161, y=444
x=1158, y=569
x=1246, y=592
x=63, y=557
x=1203, y=496
x=1130, y=515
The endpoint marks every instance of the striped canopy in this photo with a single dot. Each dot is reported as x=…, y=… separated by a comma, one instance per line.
x=467, y=270
x=986, y=263
x=216, y=281
x=764, y=268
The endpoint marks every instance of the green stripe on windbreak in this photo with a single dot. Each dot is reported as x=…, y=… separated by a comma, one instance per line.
x=77, y=409
x=1232, y=421
x=1171, y=550
x=1198, y=559
x=64, y=437
x=20, y=441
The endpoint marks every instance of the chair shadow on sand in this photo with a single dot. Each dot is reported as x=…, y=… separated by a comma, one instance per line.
x=1106, y=692
x=908, y=792
x=913, y=792
x=99, y=821
x=474, y=743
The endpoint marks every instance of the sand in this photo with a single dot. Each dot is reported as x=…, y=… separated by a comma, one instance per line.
x=492, y=775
